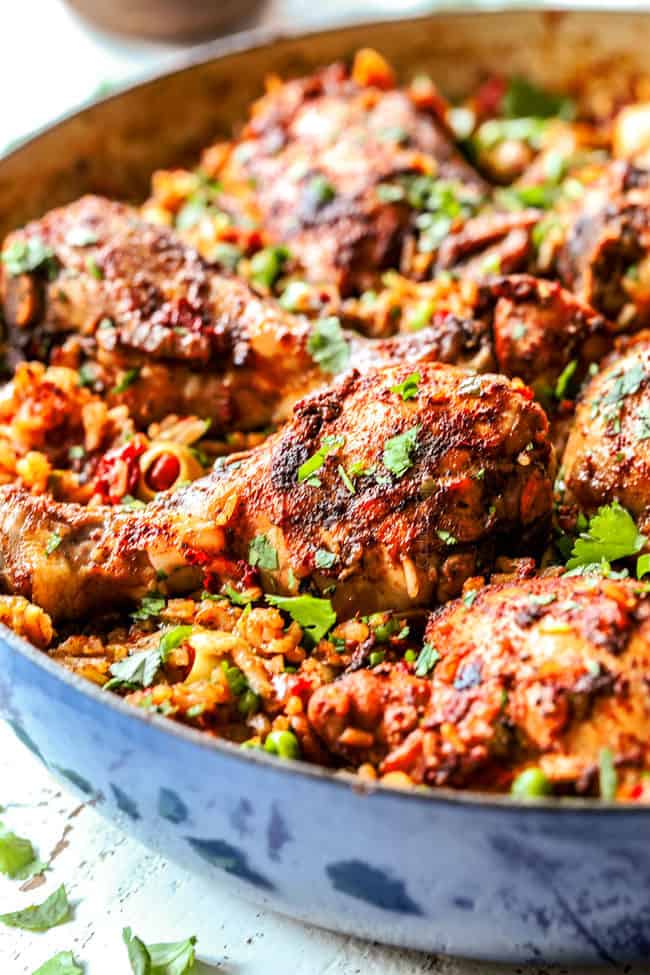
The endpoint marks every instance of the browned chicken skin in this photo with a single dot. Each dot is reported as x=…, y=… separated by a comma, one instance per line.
x=143, y=305
x=318, y=148
x=548, y=670
x=604, y=256
x=407, y=519
x=607, y=456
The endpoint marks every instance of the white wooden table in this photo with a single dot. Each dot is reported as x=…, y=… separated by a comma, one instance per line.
x=113, y=881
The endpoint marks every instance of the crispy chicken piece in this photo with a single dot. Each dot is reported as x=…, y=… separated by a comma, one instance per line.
x=607, y=455
x=319, y=153
x=165, y=334
x=535, y=328
x=547, y=671
x=604, y=256
x=410, y=490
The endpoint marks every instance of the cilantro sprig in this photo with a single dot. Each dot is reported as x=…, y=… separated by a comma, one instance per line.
x=140, y=669
x=171, y=958
x=328, y=346
x=314, y=463
x=399, y=451
x=316, y=616
x=611, y=534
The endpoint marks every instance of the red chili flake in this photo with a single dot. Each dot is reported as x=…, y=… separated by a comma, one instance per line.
x=299, y=686
x=118, y=470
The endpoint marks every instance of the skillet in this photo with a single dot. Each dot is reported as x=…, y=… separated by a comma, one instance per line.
x=460, y=873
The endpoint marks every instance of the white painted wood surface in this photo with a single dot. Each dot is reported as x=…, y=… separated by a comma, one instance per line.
x=49, y=62
x=115, y=882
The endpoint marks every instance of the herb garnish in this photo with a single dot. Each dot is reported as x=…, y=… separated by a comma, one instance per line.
x=324, y=559
x=399, y=450
x=53, y=543
x=62, y=963
x=41, y=917
x=409, y=388
x=151, y=606
x=327, y=345
x=314, y=463
x=16, y=853
x=262, y=553
x=607, y=775
x=427, y=660
x=129, y=377
x=140, y=669
x=612, y=534
x=316, y=616
x=25, y=256
x=172, y=958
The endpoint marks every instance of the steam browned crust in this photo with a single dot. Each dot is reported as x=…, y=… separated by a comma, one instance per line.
x=476, y=484
x=548, y=670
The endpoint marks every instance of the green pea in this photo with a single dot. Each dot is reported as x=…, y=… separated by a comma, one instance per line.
x=377, y=657
x=531, y=783
x=282, y=743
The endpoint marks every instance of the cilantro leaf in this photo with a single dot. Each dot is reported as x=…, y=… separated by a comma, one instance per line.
x=409, y=388
x=62, y=963
x=564, y=380
x=316, y=616
x=53, y=543
x=399, y=450
x=612, y=534
x=172, y=958
x=151, y=606
x=140, y=669
x=324, y=559
x=130, y=376
x=267, y=264
x=327, y=345
x=16, y=853
x=525, y=99
x=607, y=775
x=642, y=565
x=262, y=553
x=24, y=256
x=235, y=597
x=427, y=660
x=41, y=917
x=314, y=463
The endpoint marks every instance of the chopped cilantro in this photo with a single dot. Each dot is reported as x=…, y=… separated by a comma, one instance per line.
x=399, y=450
x=235, y=597
x=446, y=537
x=267, y=264
x=62, y=963
x=564, y=380
x=174, y=958
x=16, y=853
x=377, y=657
x=140, y=669
x=151, y=606
x=94, y=269
x=469, y=597
x=316, y=616
x=522, y=98
x=41, y=917
x=87, y=374
x=128, y=378
x=314, y=463
x=25, y=256
x=53, y=543
x=327, y=345
x=421, y=315
x=642, y=565
x=409, y=388
x=324, y=559
x=262, y=553
x=612, y=534
x=345, y=477
x=607, y=775
x=427, y=660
